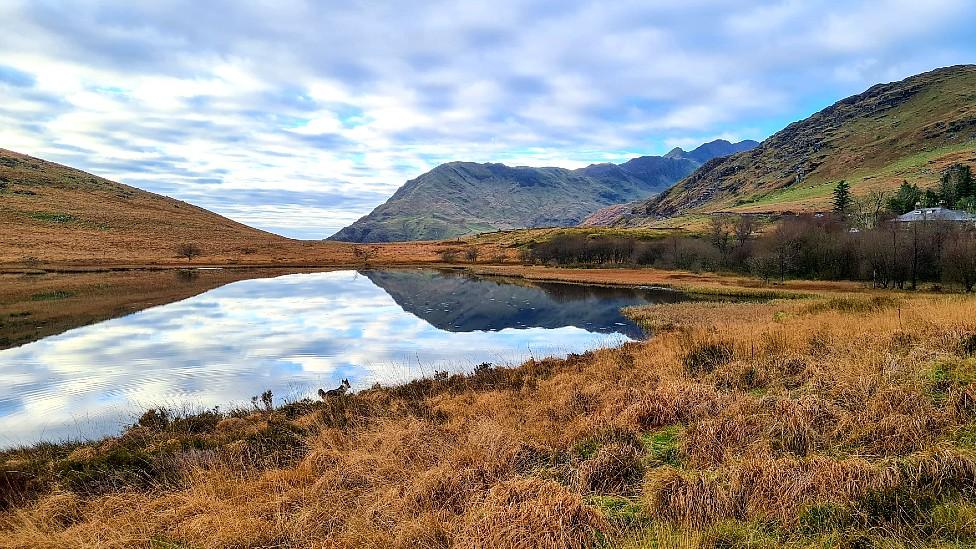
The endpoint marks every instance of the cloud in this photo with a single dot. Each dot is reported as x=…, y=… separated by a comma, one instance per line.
x=336, y=104
x=291, y=334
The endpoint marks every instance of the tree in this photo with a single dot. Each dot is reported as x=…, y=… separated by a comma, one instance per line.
x=959, y=259
x=958, y=179
x=947, y=188
x=188, y=250
x=471, y=254
x=842, y=197
x=745, y=226
x=365, y=253
x=718, y=232
x=967, y=204
x=868, y=208
x=765, y=266
x=905, y=200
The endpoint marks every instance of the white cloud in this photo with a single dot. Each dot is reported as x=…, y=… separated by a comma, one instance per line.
x=339, y=100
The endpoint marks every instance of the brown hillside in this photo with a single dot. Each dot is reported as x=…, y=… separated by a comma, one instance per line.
x=54, y=215
x=53, y=212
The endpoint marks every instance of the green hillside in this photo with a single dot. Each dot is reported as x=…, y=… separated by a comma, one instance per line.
x=461, y=198
x=908, y=130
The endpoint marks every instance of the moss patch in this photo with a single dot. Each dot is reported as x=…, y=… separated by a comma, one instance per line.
x=662, y=446
x=52, y=296
x=53, y=217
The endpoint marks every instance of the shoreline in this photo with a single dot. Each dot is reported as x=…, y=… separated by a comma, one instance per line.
x=779, y=392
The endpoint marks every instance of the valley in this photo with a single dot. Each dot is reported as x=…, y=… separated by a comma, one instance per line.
x=714, y=348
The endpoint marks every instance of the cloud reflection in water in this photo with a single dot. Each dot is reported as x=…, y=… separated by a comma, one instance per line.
x=290, y=334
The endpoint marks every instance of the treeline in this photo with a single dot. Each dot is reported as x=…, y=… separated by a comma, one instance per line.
x=825, y=247
x=956, y=190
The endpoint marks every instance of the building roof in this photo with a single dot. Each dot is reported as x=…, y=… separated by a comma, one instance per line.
x=936, y=214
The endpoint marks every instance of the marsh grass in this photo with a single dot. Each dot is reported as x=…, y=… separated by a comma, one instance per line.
x=845, y=422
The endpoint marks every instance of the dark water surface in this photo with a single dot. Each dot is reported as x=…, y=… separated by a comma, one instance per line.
x=293, y=334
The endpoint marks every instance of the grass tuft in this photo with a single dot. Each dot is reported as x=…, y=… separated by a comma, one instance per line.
x=705, y=354
x=531, y=513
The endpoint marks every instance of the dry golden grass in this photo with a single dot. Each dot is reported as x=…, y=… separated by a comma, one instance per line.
x=848, y=421
x=53, y=216
x=704, y=283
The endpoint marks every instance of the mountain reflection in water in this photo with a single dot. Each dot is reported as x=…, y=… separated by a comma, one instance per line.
x=293, y=334
x=460, y=302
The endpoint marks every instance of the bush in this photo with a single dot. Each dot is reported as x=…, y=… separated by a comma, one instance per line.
x=531, y=513
x=704, y=356
x=613, y=470
x=449, y=256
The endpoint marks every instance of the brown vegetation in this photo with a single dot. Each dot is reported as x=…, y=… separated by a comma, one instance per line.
x=834, y=422
x=822, y=247
x=56, y=217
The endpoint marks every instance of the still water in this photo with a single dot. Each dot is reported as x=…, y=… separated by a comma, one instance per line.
x=293, y=334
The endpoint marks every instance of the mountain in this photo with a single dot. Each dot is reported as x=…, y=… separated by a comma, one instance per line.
x=53, y=212
x=713, y=149
x=607, y=217
x=459, y=302
x=462, y=198
x=907, y=130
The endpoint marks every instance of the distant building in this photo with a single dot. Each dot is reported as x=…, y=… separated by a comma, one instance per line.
x=937, y=214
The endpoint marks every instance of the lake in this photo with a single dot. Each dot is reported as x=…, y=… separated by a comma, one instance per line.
x=293, y=334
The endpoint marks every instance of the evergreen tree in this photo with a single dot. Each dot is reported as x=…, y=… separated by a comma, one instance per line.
x=967, y=204
x=905, y=200
x=842, y=197
x=947, y=187
x=930, y=199
x=962, y=175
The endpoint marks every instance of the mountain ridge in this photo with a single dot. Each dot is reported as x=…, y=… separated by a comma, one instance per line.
x=460, y=198
x=906, y=130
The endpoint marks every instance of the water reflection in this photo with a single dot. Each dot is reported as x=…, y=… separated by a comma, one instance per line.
x=460, y=302
x=293, y=334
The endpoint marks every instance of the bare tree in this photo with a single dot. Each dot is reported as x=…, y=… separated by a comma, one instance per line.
x=365, y=253
x=471, y=254
x=745, y=226
x=959, y=259
x=764, y=266
x=188, y=250
x=718, y=232
x=868, y=208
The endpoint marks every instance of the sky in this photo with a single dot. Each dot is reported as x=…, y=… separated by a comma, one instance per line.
x=299, y=117
x=291, y=334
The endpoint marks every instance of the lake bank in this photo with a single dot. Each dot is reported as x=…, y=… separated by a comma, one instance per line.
x=740, y=422
x=88, y=360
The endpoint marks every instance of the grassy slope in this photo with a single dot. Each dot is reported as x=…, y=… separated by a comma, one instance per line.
x=848, y=420
x=50, y=207
x=55, y=216
x=908, y=130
